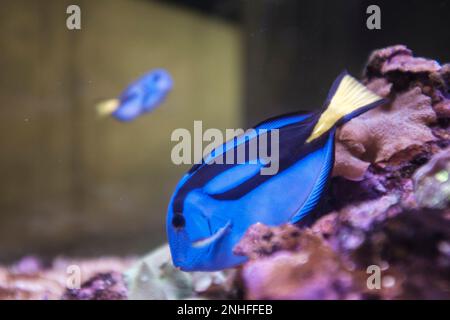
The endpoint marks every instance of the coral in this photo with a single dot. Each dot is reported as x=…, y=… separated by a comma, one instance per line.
x=442, y=109
x=154, y=277
x=31, y=279
x=414, y=250
x=388, y=208
x=347, y=165
x=261, y=240
x=432, y=182
x=330, y=260
x=398, y=66
x=311, y=271
x=103, y=286
x=345, y=229
x=378, y=134
x=417, y=89
x=380, y=86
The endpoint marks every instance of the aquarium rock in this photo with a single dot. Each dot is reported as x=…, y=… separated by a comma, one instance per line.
x=310, y=269
x=432, y=182
x=102, y=286
x=417, y=89
x=386, y=208
x=154, y=277
x=33, y=279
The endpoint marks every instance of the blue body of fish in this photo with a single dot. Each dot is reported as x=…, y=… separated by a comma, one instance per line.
x=143, y=95
x=214, y=204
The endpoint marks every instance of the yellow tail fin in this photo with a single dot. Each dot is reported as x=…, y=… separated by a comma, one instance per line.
x=107, y=107
x=349, y=96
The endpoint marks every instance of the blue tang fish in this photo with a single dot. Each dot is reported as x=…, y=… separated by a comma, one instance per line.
x=214, y=204
x=140, y=97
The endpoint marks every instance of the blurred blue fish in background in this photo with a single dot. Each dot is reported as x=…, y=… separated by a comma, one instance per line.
x=140, y=97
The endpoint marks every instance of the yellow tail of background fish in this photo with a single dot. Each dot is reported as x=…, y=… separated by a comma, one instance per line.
x=107, y=107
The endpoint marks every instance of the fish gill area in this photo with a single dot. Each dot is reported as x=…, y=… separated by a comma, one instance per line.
x=382, y=230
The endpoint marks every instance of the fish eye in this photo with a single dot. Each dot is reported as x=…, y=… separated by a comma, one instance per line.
x=178, y=221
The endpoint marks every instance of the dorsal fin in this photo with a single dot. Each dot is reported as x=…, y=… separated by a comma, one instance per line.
x=272, y=123
x=347, y=99
x=283, y=120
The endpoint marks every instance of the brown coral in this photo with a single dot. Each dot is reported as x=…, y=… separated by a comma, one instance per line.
x=312, y=271
x=380, y=133
x=383, y=220
x=432, y=182
x=443, y=108
x=261, y=240
x=397, y=61
x=28, y=279
x=358, y=217
x=103, y=286
x=417, y=89
x=414, y=250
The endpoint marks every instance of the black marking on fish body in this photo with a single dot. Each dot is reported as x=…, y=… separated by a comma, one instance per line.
x=178, y=220
x=292, y=148
x=283, y=116
x=290, y=154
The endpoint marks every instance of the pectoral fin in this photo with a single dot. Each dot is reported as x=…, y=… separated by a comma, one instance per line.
x=216, y=236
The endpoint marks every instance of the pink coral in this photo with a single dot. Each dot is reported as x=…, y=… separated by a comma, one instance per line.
x=417, y=89
x=261, y=240
x=380, y=219
x=312, y=271
x=380, y=133
x=28, y=279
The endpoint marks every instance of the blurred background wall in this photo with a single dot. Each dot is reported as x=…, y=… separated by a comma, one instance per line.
x=74, y=184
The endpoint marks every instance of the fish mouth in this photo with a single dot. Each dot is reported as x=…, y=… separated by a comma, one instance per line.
x=212, y=238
